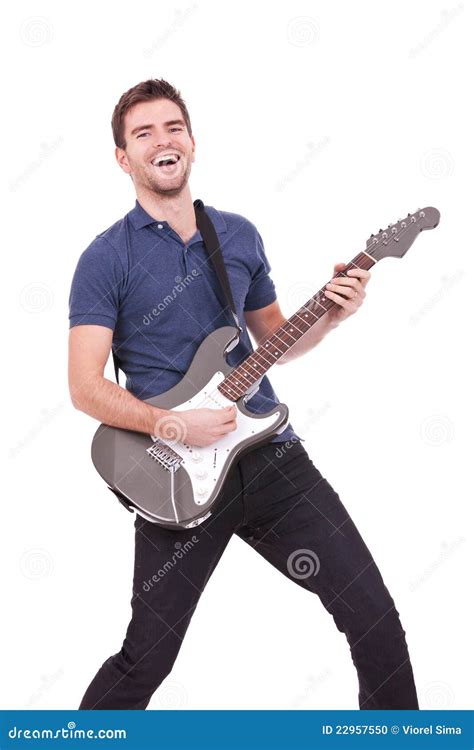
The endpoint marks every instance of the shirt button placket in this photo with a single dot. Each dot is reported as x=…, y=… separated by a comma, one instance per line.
x=186, y=260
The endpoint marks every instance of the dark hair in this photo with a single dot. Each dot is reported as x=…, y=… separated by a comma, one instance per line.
x=143, y=92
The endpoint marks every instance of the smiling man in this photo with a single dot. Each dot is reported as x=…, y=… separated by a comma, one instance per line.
x=274, y=498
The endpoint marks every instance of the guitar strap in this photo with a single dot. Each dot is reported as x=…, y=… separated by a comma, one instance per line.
x=213, y=249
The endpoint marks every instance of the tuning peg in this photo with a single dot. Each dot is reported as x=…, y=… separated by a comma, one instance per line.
x=408, y=215
x=380, y=230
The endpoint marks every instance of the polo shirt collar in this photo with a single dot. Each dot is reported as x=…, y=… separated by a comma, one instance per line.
x=140, y=218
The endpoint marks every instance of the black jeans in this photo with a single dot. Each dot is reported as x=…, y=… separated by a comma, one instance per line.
x=279, y=503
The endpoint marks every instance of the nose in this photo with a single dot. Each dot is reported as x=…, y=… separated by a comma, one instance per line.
x=162, y=140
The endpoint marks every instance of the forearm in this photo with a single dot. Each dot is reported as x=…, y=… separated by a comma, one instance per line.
x=113, y=405
x=308, y=340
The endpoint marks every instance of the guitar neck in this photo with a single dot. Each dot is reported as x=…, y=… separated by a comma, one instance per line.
x=254, y=367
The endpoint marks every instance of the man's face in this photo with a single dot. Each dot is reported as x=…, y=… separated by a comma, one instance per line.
x=154, y=130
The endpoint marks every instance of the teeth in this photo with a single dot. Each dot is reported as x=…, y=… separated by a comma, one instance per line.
x=174, y=158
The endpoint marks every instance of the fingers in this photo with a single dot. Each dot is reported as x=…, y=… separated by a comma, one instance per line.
x=230, y=413
x=360, y=275
x=343, y=281
x=221, y=433
x=346, y=291
x=230, y=420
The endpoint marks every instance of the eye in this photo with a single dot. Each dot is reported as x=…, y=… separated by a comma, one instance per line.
x=177, y=128
x=142, y=134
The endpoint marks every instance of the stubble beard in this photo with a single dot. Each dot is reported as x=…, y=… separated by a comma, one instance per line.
x=160, y=187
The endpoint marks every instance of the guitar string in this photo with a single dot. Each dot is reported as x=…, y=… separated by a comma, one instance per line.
x=210, y=396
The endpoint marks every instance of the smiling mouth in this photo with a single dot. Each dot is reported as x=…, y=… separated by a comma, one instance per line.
x=166, y=162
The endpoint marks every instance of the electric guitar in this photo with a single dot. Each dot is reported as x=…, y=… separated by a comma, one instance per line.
x=176, y=485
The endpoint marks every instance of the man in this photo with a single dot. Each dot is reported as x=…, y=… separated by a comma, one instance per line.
x=274, y=498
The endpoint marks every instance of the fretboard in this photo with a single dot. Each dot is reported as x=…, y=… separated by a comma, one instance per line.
x=254, y=367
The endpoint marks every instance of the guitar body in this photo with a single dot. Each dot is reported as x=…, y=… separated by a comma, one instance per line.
x=168, y=481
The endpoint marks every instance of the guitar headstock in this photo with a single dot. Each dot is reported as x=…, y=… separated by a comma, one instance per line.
x=396, y=239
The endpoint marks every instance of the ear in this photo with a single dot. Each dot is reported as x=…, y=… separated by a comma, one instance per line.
x=194, y=148
x=122, y=160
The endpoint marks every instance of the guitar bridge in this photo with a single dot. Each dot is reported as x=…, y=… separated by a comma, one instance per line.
x=166, y=456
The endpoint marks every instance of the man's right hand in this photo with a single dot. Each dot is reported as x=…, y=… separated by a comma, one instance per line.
x=198, y=427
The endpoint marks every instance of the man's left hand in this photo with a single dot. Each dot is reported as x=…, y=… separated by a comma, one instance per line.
x=347, y=291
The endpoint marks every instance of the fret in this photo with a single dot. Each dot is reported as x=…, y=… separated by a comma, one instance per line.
x=263, y=357
x=288, y=332
x=266, y=361
x=274, y=346
x=254, y=367
x=279, y=337
x=295, y=326
x=304, y=321
x=248, y=373
x=324, y=308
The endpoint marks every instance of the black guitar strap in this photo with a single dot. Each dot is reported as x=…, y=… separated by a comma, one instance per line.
x=213, y=249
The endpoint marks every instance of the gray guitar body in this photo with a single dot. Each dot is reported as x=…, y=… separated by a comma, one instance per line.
x=167, y=481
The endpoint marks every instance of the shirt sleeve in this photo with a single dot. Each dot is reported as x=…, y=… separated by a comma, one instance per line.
x=262, y=289
x=95, y=290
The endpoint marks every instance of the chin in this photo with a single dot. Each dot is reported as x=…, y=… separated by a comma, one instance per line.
x=169, y=189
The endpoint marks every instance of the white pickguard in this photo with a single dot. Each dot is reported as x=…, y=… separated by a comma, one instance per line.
x=204, y=465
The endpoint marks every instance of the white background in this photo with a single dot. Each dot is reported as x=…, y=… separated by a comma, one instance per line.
x=320, y=122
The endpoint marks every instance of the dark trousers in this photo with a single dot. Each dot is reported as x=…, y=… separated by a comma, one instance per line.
x=278, y=502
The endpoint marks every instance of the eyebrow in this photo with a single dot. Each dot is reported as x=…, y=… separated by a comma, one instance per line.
x=150, y=127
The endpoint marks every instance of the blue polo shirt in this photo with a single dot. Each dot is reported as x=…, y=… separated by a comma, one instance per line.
x=160, y=297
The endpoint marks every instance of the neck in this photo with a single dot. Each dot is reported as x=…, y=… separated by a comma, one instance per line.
x=176, y=210
x=254, y=367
